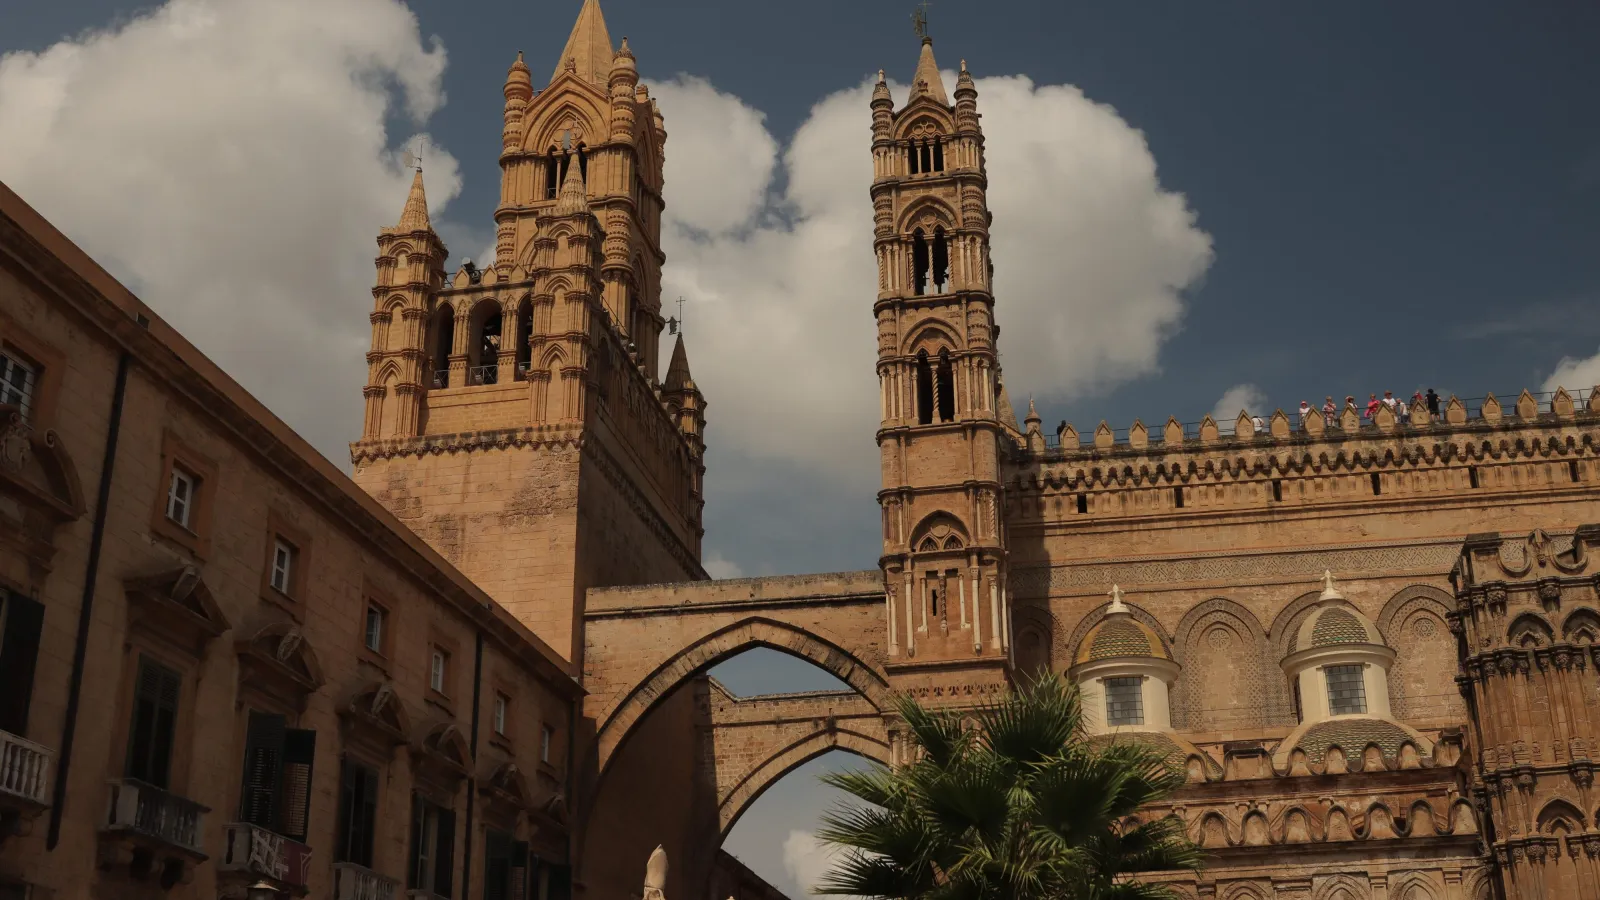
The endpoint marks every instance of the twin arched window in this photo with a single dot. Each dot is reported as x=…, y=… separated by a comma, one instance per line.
x=555, y=168
x=926, y=156
x=930, y=260
x=936, y=390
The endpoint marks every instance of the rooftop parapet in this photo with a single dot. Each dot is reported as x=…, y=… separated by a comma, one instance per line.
x=1529, y=408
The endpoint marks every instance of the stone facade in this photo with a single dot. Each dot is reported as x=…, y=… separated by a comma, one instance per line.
x=196, y=694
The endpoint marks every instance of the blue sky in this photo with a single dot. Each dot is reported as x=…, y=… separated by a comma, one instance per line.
x=1283, y=201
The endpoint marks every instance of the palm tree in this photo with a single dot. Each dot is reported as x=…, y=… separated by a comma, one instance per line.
x=1021, y=807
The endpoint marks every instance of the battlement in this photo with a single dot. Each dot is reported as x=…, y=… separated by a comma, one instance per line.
x=1349, y=423
x=1542, y=442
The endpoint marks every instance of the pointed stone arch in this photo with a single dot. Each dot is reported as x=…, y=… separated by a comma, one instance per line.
x=931, y=334
x=1217, y=638
x=1529, y=630
x=927, y=213
x=564, y=107
x=772, y=770
x=723, y=643
x=1422, y=677
x=926, y=119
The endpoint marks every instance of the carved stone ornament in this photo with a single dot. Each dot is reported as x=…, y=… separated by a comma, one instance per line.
x=290, y=642
x=16, y=442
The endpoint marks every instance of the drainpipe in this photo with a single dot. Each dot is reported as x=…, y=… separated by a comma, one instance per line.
x=572, y=779
x=472, y=779
x=80, y=650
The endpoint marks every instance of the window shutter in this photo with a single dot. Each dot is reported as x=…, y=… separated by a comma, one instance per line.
x=519, y=870
x=155, y=716
x=299, y=756
x=419, y=824
x=344, y=845
x=560, y=883
x=497, y=867
x=444, y=864
x=263, y=762
x=19, y=654
x=369, y=813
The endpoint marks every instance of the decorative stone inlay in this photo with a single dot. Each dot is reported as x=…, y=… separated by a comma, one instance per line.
x=1336, y=626
x=1352, y=736
x=1119, y=638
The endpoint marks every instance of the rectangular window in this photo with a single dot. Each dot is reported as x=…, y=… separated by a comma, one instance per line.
x=358, y=813
x=180, y=496
x=1347, y=695
x=436, y=670
x=276, y=791
x=283, y=555
x=17, y=381
x=374, y=637
x=546, y=735
x=21, y=622
x=433, y=839
x=505, y=867
x=502, y=705
x=155, y=723
x=1125, y=701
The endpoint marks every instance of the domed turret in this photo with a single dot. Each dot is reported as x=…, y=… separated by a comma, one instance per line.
x=1124, y=670
x=1338, y=661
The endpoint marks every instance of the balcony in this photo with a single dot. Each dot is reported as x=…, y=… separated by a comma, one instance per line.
x=24, y=778
x=251, y=853
x=151, y=833
x=353, y=882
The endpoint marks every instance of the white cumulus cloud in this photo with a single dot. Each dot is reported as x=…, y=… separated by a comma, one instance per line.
x=807, y=859
x=772, y=246
x=1247, y=397
x=228, y=160
x=1578, y=376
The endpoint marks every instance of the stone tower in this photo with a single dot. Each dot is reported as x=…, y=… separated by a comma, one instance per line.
x=944, y=549
x=514, y=414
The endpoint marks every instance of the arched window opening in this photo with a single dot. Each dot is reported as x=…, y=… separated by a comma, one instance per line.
x=924, y=389
x=938, y=156
x=524, y=339
x=933, y=600
x=919, y=262
x=483, y=364
x=911, y=158
x=444, y=327
x=946, y=388
x=926, y=152
x=941, y=260
x=552, y=174
x=583, y=163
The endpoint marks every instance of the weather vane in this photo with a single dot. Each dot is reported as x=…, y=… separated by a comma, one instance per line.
x=919, y=20
x=416, y=157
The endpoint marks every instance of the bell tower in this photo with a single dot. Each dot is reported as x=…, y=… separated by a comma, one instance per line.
x=944, y=550
x=516, y=417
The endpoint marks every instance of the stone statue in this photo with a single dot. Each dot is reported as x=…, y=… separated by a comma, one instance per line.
x=655, y=875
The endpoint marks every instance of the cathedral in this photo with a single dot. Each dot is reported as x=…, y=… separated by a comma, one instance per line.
x=480, y=665
x=1367, y=640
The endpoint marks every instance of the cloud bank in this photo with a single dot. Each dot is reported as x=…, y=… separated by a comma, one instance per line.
x=1578, y=376
x=228, y=160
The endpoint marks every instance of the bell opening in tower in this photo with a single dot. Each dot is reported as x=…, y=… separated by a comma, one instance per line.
x=919, y=262
x=924, y=389
x=941, y=260
x=946, y=389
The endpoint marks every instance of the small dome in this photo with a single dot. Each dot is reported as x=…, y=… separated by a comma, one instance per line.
x=1353, y=735
x=1120, y=635
x=1331, y=624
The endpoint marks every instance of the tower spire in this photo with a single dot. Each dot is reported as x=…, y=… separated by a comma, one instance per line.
x=927, y=81
x=573, y=198
x=415, y=215
x=588, y=48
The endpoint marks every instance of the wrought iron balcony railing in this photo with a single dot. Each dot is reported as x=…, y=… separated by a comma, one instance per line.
x=483, y=375
x=24, y=769
x=151, y=812
x=353, y=882
x=264, y=854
